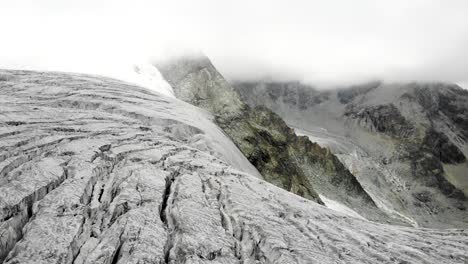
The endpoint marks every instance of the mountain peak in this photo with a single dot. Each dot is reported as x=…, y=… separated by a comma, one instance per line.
x=199, y=82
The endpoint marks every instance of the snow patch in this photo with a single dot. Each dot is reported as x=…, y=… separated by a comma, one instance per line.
x=148, y=76
x=339, y=207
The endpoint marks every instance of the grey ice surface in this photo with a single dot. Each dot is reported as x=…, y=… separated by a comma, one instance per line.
x=93, y=170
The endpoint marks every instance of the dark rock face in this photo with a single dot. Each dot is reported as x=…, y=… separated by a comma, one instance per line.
x=336, y=173
x=440, y=146
x=275, y=150
x=442, y=100
x=423, y=197
x=291, y=162
x=196, y=81
x=266, y=142
x=199, y=83
x=382, y=118
x=426, y=155
x=293, y=93
x=347, y=95
x=427, y=169
x=400, y=140
x=450, y=101
x=448, y=105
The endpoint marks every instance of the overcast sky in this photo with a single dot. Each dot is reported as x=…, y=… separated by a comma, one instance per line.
x=325, y=41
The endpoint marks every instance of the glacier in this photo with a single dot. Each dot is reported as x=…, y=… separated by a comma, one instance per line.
x=96, y=170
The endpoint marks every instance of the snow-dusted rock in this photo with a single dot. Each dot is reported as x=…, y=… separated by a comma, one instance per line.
x=285, y=159
x=405, y=143
x=93, y=170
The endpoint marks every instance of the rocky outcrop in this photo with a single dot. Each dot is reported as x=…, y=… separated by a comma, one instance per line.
x=441, y=101
x=441, y=147
x=276, y=151
x=292, y=93
x=198, y=82
x=405, y=143
x=381, y=119
x=284, y=159
x=348, y=94
x=425, y=154
x=267, y=143
x=122, y=177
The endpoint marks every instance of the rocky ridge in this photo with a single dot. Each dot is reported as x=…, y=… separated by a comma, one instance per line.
x=405, y=143
x=289, y=161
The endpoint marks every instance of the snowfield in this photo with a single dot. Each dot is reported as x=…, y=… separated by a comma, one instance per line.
x=95, y=170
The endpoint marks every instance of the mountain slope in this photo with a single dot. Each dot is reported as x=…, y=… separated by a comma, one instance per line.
x=283, y=158
x=95, y=170
x=405, y=143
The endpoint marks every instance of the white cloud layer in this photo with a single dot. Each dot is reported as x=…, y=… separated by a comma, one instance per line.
x=321, y=41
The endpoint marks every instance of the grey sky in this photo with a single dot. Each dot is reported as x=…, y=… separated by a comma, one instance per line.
x=325, y=41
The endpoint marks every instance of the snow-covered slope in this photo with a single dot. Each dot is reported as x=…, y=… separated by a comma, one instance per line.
x=94, y=170
x=148, y=76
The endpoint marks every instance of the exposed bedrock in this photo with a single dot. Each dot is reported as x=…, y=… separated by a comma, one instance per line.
x=283, y=158
x=405, y=143
x=381, y=119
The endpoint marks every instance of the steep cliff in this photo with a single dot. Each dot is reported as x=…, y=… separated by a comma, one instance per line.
x=283, y=158
x=405, y=143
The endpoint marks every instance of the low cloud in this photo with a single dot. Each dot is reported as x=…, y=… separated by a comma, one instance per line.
x=322, y=42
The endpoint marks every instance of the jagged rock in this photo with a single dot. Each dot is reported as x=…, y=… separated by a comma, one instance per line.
x=286, y=153
x=399, y=140
x=442, y=148
x=268, y=144
x=444, y=101
x=381, y=118
x=199, y=83
x=347, y=95
x=293, y=93
x=284, y=159
x=196, y=81
x=152, y=197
